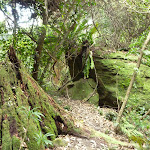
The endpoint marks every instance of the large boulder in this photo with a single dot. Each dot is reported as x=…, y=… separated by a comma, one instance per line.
x=84, y=89
x=115, y=70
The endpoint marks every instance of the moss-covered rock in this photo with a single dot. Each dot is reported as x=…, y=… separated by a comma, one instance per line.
x=83, y=89
x=116, y=69
x=114, y=72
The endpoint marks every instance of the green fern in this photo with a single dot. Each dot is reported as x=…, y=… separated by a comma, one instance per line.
x=42, y=140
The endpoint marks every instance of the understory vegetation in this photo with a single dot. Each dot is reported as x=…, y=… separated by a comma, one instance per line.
x=80, y=49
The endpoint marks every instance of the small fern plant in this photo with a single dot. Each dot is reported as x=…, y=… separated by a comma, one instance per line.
x=30, y=114
x=42, y=139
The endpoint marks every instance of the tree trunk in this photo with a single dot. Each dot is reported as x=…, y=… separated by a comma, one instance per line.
x=15, y=15
x=38, y=52
x=18, y=88
x=39, y=48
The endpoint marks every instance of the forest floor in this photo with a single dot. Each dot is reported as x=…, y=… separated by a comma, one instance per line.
x=89, y=116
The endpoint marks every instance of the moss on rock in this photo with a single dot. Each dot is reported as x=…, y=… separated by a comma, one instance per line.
x=116, y=69
x=82, y=89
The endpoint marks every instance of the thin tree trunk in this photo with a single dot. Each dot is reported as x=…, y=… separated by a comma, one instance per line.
x=39, y=48
x=38, y=52
x=46, y=7
x=132, y=80
x=15, y=15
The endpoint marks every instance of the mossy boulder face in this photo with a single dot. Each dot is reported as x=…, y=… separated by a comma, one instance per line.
x=84, y=89
x=115, y=70
x=17, y=89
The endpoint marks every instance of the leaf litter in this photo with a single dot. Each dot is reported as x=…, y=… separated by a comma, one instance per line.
x=89, y=116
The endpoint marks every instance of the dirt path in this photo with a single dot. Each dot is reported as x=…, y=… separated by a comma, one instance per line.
x=87, y=115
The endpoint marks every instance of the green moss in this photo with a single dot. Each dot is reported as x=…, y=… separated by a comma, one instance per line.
x=73, y=129
x=5, y=78
x=16, y=143
x=59, y=142
x=32, y=143
x=116, y=72
x=111, y=140
x=6, y=141
x=15, y=97
x=121, y=55
x=82, y=90
x=50, y=127
x=0, y=123
x=42, y=102
x=21, y=98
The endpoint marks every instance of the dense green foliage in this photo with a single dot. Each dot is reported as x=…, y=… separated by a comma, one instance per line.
x=115, y=24
x=136, y=45
x=119, y=22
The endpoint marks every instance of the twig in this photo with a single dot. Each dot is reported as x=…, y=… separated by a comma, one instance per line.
x=6, y=15
x=145, y=114
x=30, y=36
